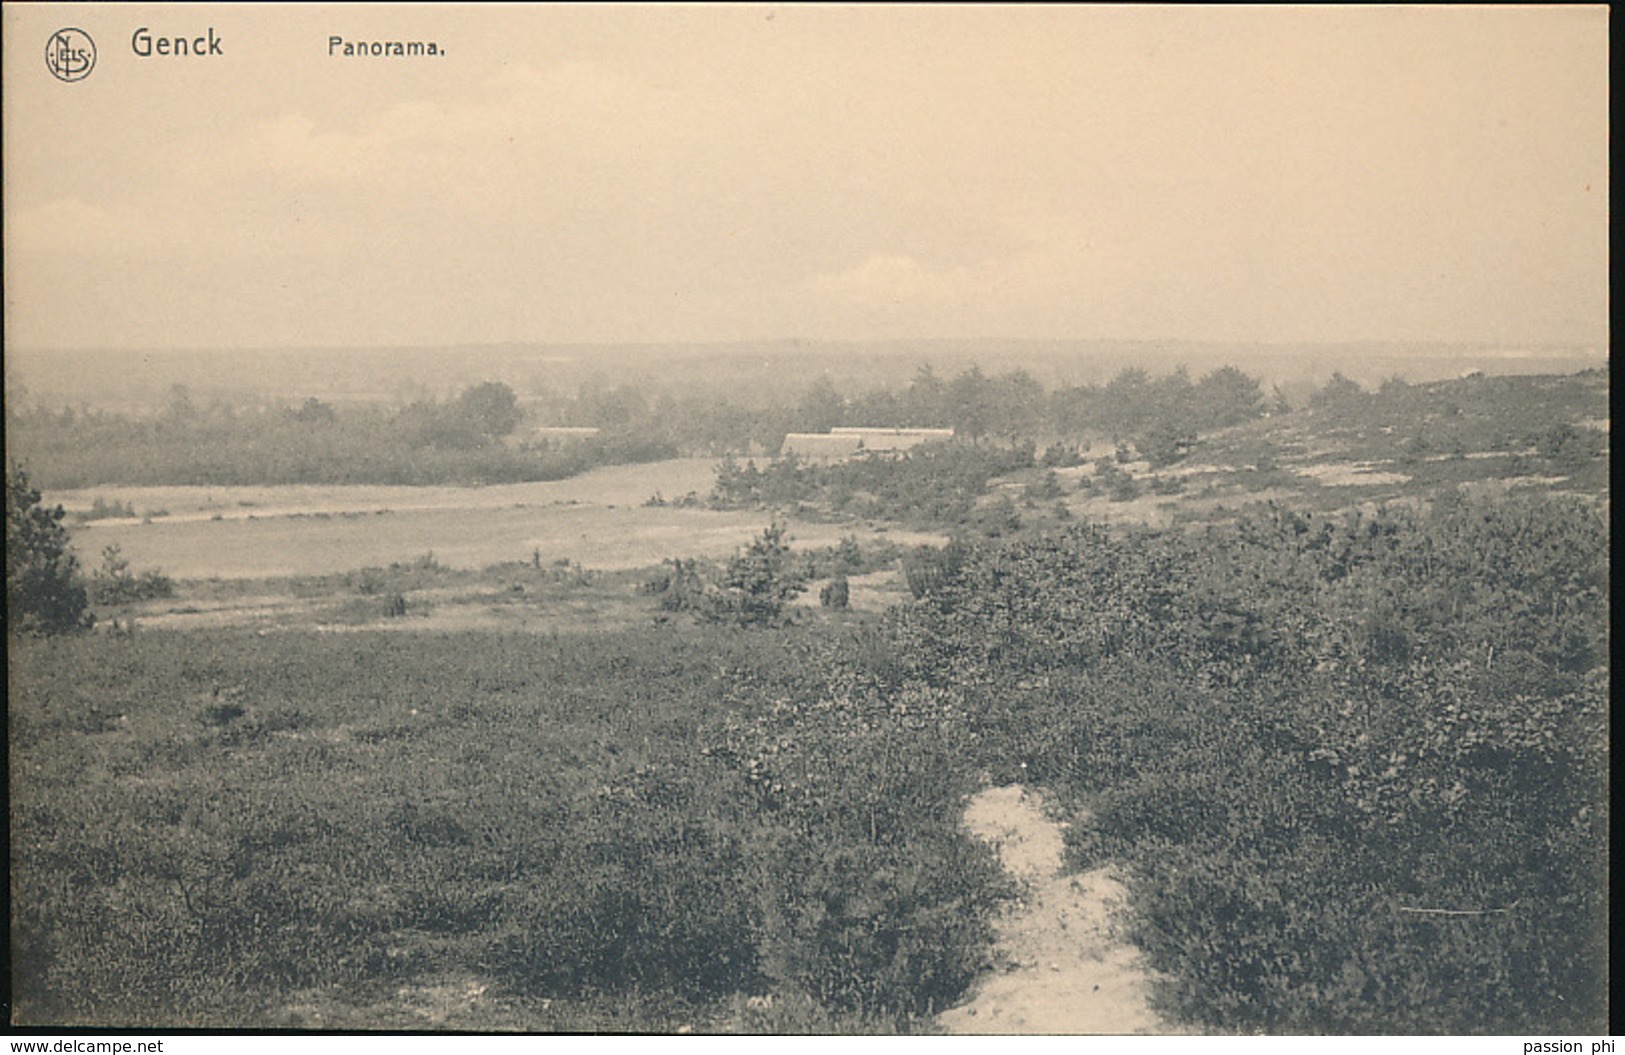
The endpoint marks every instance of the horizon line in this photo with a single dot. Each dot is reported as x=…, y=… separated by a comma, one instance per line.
x=1534, y=346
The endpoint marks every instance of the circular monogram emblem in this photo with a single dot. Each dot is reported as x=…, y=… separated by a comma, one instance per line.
x=70, y=54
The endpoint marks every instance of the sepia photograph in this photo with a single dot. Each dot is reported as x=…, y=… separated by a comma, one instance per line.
x=791, y=520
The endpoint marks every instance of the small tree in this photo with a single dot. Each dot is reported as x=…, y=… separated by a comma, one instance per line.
x=759, y=582
x=1339, y=391
x=997, y=518
x=43, y=593
x=679, y=586
x=837, y=593
x=1125, y=488
x=315, y=412
x=928, y=569
x=1044, y=489
x=115, y=583
x=1166, y=442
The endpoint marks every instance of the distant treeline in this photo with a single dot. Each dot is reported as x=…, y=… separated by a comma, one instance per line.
x=975, y=405
x=481, y=435
x=467, y=440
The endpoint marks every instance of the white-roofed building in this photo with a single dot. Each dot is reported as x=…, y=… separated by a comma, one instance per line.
x=853, y=441
x=563, y=433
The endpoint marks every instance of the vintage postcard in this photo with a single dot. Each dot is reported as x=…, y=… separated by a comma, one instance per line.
x=791, y=520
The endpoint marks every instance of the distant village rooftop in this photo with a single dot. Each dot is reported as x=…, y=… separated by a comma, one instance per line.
x=562, y=434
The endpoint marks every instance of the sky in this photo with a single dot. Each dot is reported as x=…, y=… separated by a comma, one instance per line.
x=606, y=173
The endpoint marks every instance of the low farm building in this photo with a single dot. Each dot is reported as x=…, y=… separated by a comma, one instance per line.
x=897, y=439
x=840, y=444
x=820, y=446
x=563, y=433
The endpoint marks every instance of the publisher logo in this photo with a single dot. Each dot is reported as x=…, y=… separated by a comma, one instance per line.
x=70, y=54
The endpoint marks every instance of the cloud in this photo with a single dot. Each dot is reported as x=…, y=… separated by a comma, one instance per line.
x=71, y=225
x=1135, y=173
x=893, y=279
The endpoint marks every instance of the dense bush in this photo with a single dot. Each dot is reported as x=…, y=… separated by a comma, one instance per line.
x=929, y=568
x=750, y=589
x=995, y=518
x=679, y=585
x=846, y=557
x=1062, y=456
x=932, y=485
x=1045, y=488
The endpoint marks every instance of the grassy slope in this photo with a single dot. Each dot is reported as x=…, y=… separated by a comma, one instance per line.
x=290, y=812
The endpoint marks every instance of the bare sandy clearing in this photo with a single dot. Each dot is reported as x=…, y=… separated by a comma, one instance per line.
x=610, y=485
x=1351, y=474
x=1151, y=510
x=193, y=615
x=597, y=520
x=1067, y=971
x=1187, y=469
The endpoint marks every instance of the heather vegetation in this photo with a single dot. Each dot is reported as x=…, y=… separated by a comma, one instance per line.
x=1444, y=433
x=1357, y=765
x=237, y=822
x=1358, y=762
x=1350, y=754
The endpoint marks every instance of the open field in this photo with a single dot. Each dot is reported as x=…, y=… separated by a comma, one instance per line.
x=597, y=520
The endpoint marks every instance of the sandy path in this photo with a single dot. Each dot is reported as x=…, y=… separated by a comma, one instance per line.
x=1066, y=972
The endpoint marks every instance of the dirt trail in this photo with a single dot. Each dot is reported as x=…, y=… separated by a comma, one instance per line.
x=1067, y=973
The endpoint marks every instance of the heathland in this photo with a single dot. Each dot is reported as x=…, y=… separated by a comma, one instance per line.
x=394, y=714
